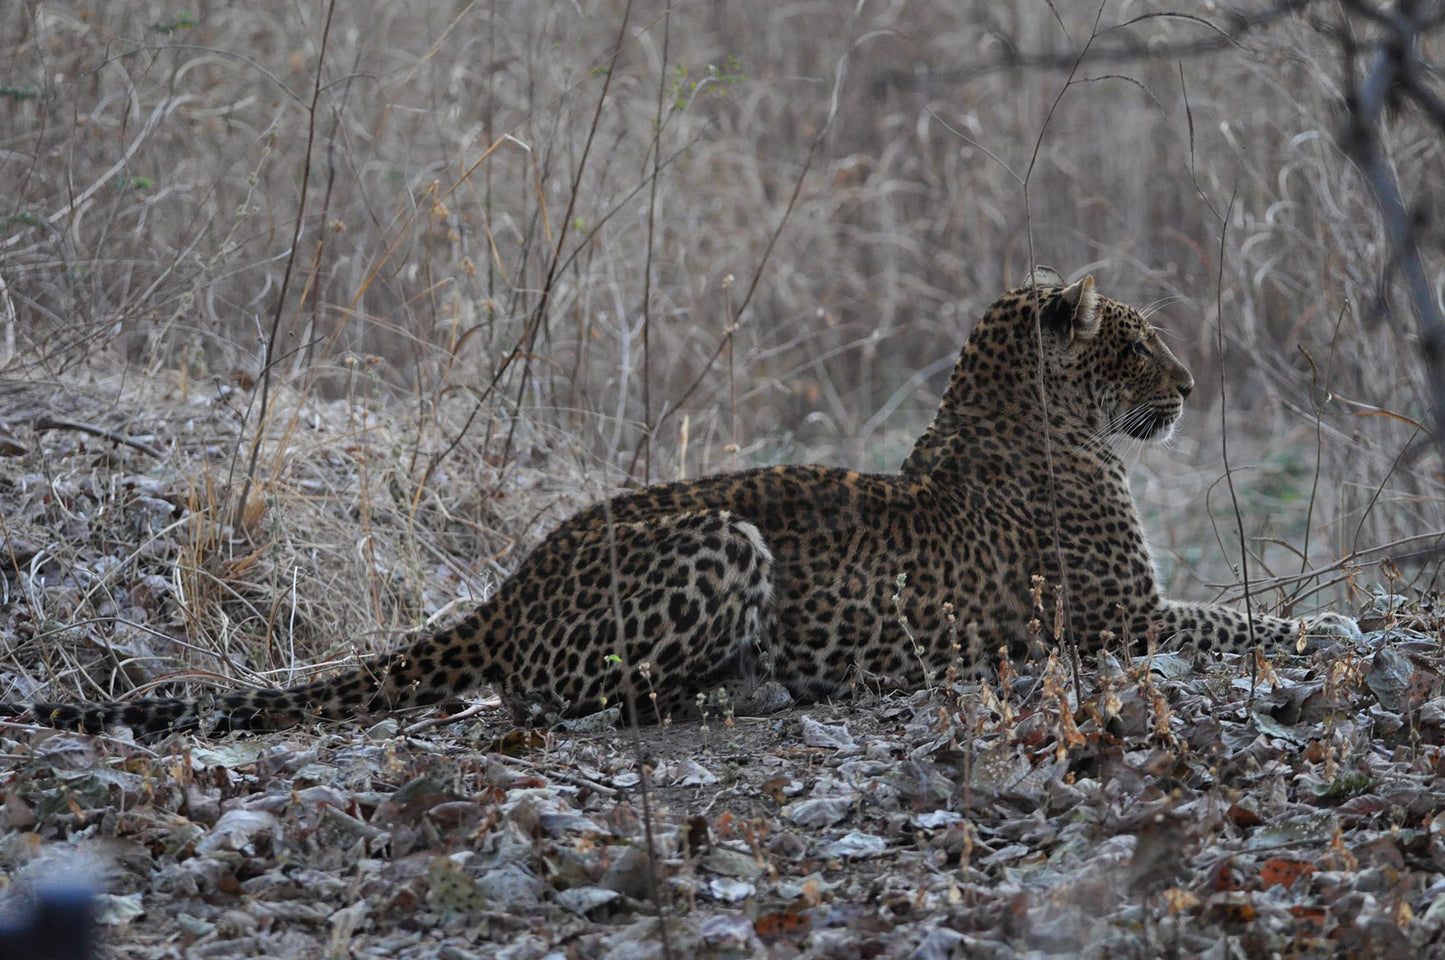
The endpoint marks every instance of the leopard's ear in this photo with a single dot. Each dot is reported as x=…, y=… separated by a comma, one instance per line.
x=1042, y=276
x=1075, y=312
x=1081, y=304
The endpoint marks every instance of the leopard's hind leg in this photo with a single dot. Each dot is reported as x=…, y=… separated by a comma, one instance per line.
x=683, y=601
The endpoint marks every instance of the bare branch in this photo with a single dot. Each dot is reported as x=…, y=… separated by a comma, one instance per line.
x=1394, y=73
x=1115, y=45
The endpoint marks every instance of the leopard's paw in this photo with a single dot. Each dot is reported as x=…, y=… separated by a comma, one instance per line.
x=1317, y=629
x=1332, y=625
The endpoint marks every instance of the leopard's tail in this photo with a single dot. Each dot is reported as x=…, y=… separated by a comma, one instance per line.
x=433, y=668
x=149, y=715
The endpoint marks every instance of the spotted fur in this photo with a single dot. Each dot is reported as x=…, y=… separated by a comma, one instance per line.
x=1011, y=502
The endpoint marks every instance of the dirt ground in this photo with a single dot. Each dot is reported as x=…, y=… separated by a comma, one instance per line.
x=1157, y=817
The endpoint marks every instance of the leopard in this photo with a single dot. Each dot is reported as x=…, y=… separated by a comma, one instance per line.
x=1013, y=509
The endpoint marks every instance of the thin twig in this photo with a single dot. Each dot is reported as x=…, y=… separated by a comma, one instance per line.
x=629, y=692
x=263, y=406
x=1071, y=642
x=839, y=74
x=489, y=705
x=51, y=423
x=527, y=344
x=1224, y=440
x=76, y=203
x=1351, y=558
x=1128, y=49
x=647, y=434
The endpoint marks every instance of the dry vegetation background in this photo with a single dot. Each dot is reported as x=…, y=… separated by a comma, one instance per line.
x=532, y=264
x=389, y=288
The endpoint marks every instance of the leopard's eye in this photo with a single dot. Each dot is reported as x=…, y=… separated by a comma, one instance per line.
x=1140, y=348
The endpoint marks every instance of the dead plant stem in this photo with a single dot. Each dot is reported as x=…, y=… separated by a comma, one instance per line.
x=269, y=345
x=1224, y=440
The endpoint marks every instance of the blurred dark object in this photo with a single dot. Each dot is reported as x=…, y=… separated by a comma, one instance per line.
x=57, y=924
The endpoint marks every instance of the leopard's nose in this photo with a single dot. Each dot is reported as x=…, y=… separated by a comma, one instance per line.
x=1186, y=387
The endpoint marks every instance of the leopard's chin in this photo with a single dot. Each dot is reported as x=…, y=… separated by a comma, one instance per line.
x=1151, y=423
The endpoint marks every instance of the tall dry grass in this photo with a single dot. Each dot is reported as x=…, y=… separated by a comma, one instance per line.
x=471, y=343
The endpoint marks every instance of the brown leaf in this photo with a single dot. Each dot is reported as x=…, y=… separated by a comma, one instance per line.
x=1244, y=816
x=1364, y=808
x=1226, y=877
x=1283, y=872
x=1235, y=912
x=774, y=788
x=787, y=924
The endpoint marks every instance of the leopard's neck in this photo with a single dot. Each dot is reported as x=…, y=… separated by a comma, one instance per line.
x=991, y=416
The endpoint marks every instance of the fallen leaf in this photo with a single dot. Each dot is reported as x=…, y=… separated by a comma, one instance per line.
x=1242, y=815
x=1279, y=871
x=785, y=924
x=1389, y=678
x=856, y=846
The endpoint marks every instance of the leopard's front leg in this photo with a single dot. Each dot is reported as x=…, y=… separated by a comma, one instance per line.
x=1212, y=626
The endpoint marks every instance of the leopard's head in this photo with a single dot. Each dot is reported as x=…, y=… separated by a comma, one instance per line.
x=1103, y=359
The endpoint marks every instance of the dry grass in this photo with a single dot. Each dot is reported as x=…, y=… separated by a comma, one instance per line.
x=470, y=343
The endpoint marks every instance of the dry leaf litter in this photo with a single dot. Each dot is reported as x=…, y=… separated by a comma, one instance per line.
x=1167, y=806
